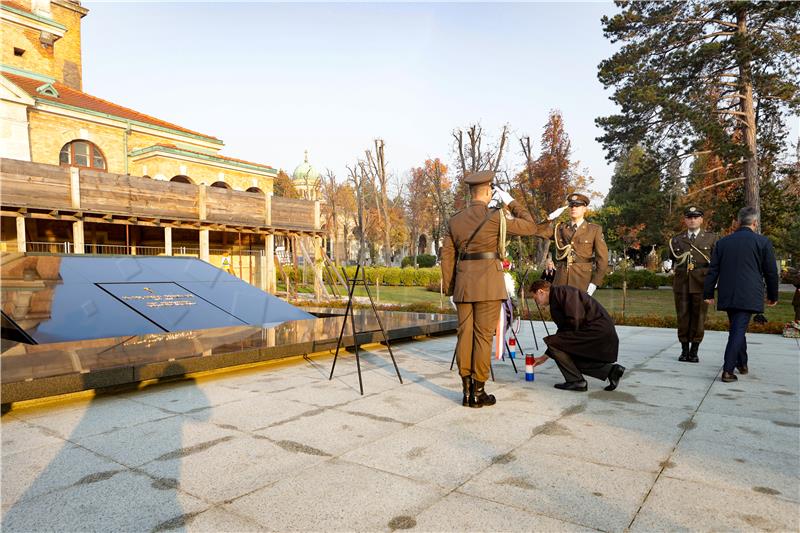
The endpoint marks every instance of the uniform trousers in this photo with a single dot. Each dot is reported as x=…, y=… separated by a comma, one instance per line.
x=477, y=322
x=736, y=349
x=573, y=367
x=691, y=311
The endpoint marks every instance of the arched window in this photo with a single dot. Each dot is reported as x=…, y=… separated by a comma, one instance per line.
x=255, y=189
x=221, y=185
x=82, y=154
x=181, y=179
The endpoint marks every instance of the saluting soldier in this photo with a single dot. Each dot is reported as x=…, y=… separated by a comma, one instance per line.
x=691, y=254
x=581, y=250
x=472, y=273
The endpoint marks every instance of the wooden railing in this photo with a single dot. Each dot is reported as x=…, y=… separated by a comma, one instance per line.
x=53, y=187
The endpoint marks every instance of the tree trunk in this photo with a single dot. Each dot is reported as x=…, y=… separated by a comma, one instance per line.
x=751, y=182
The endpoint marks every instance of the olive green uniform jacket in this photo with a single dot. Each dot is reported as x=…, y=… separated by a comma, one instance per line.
x=590, y=255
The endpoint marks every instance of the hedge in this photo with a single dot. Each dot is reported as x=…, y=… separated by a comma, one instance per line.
x=394, y=276
x=423, y=261
x=637, y=279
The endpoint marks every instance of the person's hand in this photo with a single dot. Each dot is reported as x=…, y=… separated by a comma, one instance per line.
x=771, y=303
x=710, y=301
x=453, y=303
x=502, y=196
x=539, y=360
x=557, y=213
x=591, y=289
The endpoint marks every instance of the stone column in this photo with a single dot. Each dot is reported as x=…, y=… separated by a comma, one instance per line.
x=167, y=240
x=204, y=251
x=22, y=243
x=77, y=237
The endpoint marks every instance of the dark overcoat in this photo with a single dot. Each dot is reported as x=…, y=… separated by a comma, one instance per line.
x=740, y=265
x=585, y=328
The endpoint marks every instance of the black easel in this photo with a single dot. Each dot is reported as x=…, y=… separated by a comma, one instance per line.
x=349, y=313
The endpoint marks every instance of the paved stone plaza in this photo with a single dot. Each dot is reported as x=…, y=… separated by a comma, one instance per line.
x=279, y=447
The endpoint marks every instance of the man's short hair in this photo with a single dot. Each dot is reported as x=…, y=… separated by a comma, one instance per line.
x=539, y=284
x=747, y=216
x=474, y=188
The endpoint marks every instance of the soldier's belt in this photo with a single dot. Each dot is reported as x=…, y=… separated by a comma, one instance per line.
x=479, y=255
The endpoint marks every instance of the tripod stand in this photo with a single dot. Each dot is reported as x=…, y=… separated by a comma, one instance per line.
x=349, y=313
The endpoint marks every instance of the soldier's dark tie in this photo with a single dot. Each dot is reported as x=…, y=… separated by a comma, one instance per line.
x=691, y=237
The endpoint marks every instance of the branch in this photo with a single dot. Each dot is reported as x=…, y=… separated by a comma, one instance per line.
x=714, y=185
x=707, y=21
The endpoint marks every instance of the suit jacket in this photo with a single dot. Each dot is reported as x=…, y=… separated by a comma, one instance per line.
x=591, y=256
x=740, y=265
x=703, y=246
x=585, y=329
x=481, y=280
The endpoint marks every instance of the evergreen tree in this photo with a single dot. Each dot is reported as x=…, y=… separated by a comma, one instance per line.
x=696, y=76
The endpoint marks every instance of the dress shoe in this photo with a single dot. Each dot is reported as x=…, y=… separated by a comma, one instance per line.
x=577, y=386
x=684, y=352
x=466, y=381
x=479, y=397
x=614, y=376
x=742, y=369
x=728, y=377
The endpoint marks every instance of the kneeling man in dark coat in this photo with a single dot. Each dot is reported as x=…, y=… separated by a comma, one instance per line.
x=586, y=341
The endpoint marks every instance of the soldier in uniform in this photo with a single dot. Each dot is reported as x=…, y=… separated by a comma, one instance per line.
x=691, y=255
x=581, y=251
x=472, y=273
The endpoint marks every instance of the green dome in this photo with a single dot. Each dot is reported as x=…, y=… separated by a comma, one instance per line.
x=305, y=173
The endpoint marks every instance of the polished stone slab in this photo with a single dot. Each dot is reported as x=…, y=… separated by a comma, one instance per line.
x=40, y=370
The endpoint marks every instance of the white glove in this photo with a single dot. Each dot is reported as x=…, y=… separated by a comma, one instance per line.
x=555, y=214
x=591, y=289
x=453, y=303
x=502, y=196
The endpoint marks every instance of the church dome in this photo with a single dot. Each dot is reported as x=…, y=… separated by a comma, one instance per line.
x=305, y=173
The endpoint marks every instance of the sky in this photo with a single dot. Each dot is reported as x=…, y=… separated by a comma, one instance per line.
x=272, y=80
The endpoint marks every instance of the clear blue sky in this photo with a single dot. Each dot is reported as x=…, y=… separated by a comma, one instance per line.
x=274, y=79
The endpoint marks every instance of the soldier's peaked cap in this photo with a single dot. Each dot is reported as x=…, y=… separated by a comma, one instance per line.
x=476, y=178
x=577, y=198
x=693, y=211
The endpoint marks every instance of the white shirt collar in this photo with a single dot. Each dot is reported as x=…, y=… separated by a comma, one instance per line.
x=577, y=224
x=696, y=232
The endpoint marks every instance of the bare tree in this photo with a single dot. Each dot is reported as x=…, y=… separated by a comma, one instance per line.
x=374, y=169
x=474, y=156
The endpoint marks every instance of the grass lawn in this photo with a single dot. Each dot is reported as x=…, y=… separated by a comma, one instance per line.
x=641, y=302
x=661, y=302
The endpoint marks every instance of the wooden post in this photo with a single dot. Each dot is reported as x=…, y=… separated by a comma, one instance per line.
x=77, y=237
x=75, y=187
x=167, y=240
x=272, y=284
x=22, y=243
x=268, y=209
x=204, y=251
x=201, y=202
x=318, y=287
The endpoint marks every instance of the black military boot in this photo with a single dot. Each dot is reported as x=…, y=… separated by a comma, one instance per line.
x=466, y=381
x=684, y=352
x=693, y=353
x=479, y=398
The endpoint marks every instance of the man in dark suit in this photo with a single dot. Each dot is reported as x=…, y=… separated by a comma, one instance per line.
x=586, y=341
x=740, y=265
